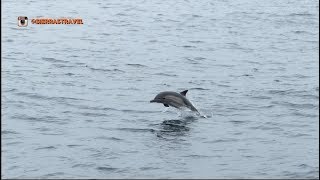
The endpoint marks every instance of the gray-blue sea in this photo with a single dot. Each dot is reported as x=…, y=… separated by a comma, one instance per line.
x=76, y=98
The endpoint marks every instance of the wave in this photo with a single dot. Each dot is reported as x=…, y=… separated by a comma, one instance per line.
x=137, y=65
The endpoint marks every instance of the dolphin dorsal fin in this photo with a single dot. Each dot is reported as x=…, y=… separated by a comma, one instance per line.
x=184, y=93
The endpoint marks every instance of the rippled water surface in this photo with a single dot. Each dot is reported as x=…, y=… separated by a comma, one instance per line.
x=75, y=98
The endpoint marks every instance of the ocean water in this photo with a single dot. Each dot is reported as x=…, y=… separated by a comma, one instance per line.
x=75, y=98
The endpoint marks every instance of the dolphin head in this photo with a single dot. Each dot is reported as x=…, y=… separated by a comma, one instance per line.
x=160, y=98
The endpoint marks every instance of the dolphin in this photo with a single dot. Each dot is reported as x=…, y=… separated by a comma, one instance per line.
x=177, y=100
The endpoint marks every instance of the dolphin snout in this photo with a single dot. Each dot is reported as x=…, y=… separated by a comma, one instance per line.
x=156, y=100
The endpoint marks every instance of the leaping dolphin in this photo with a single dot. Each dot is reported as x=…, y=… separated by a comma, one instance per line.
x=177, y=100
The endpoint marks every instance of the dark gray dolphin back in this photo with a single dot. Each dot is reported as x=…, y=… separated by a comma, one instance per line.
x=187, y=102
